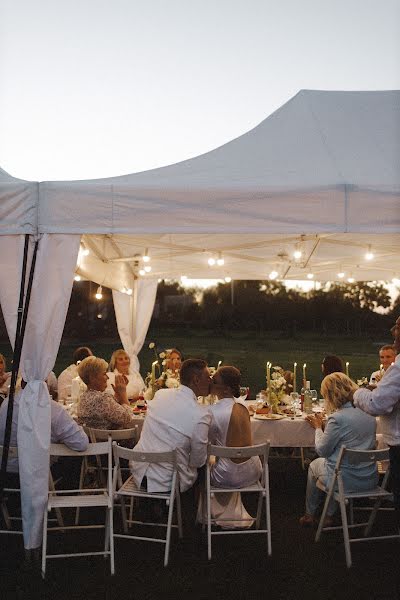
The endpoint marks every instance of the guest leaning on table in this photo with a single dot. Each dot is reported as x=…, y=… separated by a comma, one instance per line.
x=100, y=409
x=384, y=400
x=346, y=426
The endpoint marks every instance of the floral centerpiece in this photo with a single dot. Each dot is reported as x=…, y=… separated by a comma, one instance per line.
x=167, y=379
x=363, y=382
x=278, y=386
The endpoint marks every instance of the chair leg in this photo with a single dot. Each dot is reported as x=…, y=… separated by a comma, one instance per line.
x=6, y=515
x=303, y=464
x=44, y=546
x=179, y=512
x=58, y=512
x=323, y=515
x=209, y=524
x=372, y=516
x=346, y=537
x=259, y=510
x=123, y=515
x=268, y=519
x=351, y=511
x=131, y=508
x=169, y=528
x=81, y=479
x=107, y=533
x=111, y=536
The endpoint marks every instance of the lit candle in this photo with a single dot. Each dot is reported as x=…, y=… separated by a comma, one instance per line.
x=153, y=371
x=219, y=364
x=269, y=380
x=347, y=369
x=294, y=376
x=304, y=374
x=381, y=369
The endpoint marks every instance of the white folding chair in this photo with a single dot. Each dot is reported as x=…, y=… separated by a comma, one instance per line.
x=345, y=499
x=102, y=435
x=90, y=498
x=261, y=488
x=10, y=519
x=128, y=489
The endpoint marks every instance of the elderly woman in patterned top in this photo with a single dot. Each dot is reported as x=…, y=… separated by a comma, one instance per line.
x=97, y=407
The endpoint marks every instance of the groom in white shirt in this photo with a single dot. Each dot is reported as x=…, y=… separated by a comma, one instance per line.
x=171, y=418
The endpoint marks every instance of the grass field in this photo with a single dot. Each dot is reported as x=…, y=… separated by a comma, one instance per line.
x=246, y=350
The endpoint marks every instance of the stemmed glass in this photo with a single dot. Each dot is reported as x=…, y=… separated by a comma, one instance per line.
x=244, y=393
x=295, y=402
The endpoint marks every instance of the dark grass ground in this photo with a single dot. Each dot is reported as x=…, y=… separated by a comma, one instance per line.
x=298, y=568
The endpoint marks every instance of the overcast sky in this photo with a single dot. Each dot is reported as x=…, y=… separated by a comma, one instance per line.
x=95, y=88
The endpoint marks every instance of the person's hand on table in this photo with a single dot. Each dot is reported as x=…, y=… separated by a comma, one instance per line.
x=315, y=420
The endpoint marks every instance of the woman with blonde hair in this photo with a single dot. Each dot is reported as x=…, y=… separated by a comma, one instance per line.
x=120, y=364
x=97, y=407
x=346, y=426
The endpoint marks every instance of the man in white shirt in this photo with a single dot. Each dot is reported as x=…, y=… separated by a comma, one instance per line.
x=171, y=418
x=387, y=356
x=384, y=400
x=64, y=430
x=66, y=377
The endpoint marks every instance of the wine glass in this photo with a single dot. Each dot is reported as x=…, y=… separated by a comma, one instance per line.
x=244, y=393
x=295, y=402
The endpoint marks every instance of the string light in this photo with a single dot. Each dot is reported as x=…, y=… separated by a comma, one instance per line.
x=274, y=274
x=183, y=277
x=369, y=254
x=99, y=293
x=146, y=257
x=142, y=272
x=297, y=254
x=211, y=261
x=310, y=275
x=129, y=291
x=341, y=274
x=77, y=278
x=351, y=279
x=228, y=279
x=220, y=260
x=147, y=268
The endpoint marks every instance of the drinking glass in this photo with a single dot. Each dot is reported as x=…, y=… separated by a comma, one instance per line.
x=295, y=402
x=244, y=393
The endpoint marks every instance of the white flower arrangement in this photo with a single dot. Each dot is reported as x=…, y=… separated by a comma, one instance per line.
x=363, y=382
x=278, y=387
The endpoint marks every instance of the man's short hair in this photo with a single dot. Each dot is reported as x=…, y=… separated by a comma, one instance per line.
x=387, y=347
x=81, y=353
x=190, y=368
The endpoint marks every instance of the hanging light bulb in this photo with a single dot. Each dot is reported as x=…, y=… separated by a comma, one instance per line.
x=228, y=279
x=274, y=274
x=77, y=278
x=220, y=260
x=129, y=291
x=341, y=274
x=142, y=272
x=297, y=254
x=369, y=254
x=351, y=279
x=146, y=257
x=147, y=268
x=183, y=277
x=211, y=261
x=310, y=275
x=99, y=293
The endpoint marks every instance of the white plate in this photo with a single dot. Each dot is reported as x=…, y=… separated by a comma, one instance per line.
x=269, y=417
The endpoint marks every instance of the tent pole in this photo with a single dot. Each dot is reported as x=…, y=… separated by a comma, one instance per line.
x=19, y=338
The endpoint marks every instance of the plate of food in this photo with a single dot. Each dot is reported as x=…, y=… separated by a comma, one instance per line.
x=269, y=417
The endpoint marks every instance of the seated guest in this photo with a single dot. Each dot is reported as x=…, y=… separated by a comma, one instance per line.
x=171, y=418
x=332, y=364
x=64, y=430
x=5, y=379
x=387, y=356
x=120, y=364
x=52, y=385
x=66, y=377
x=346, y=426
x=98, y=408
x=228, y=425
x=172, y=366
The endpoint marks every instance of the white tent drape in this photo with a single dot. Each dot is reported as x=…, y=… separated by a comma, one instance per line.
x=133, y=314
x=51, y=291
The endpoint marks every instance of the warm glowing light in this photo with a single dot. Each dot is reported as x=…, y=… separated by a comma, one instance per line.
x=351, y=279
x=228, y=279
x=297, y=254
x=220, y=262
x=183, y=277
x=99, y=316
x=99, y=293
x=77, y=278
x=146, y=257
x=211, y=261
x=273, y=274
x=340, y=275
x=84, y=250
x=310, y=275
x=369, y=255
x=147, y=268
x=142, y=272
x=129, y=291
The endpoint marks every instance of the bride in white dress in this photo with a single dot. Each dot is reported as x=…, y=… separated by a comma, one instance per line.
x=230, y=426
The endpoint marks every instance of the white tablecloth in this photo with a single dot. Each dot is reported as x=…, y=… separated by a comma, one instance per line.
x=283, y=433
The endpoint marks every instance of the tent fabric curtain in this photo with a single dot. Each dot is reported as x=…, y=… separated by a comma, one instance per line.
x=133, y=314
x=51, y=291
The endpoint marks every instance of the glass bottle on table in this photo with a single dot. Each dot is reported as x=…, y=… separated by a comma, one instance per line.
x=308, y=399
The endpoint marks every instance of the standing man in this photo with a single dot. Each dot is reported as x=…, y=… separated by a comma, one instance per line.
x=171, y=418
x=384, y=400
x=387, y=356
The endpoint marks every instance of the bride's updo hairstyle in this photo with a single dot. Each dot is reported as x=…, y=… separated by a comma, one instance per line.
x=230, y=377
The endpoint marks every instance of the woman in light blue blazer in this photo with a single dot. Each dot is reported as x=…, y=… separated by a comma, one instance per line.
x=346, y=426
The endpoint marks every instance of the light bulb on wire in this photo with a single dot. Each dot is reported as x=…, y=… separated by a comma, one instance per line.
x=211, y=261
x=77, y=278
x=99, y=293
x=147, y=268
x=146, y=257
x=274, y=274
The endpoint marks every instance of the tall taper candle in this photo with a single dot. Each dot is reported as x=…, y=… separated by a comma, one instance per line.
x=294, y=376
x=269, y=380
x=153, y=371
x=347, y=369
x=304, y=374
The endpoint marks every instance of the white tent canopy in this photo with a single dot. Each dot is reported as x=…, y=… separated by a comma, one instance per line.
x=322, y=173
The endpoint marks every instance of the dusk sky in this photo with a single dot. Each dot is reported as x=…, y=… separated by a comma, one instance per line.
x=93, y=88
